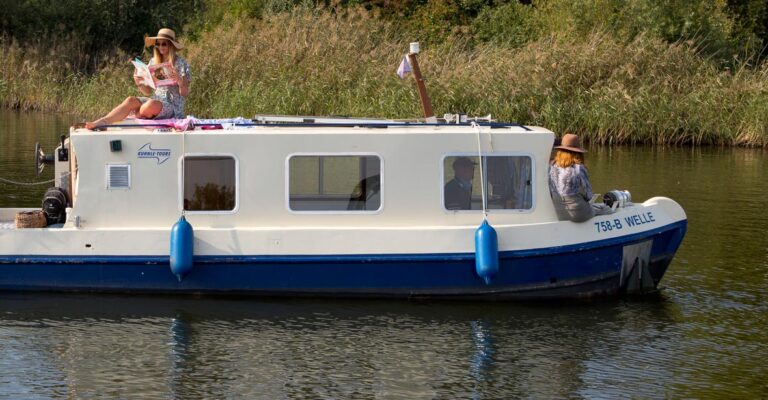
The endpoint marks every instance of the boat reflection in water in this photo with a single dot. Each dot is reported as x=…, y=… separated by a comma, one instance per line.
x=88, y=346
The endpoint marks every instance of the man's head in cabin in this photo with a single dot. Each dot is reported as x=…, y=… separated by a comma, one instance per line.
x=464, y=168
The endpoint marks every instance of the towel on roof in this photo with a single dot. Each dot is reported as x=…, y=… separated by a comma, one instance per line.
x=190, y=122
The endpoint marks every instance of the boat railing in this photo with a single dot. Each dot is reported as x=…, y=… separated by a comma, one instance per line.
x=289, y=122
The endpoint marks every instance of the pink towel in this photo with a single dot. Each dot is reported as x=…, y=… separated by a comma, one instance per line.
x=178, y=124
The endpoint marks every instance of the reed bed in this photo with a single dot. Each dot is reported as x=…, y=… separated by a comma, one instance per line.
x=314, y=62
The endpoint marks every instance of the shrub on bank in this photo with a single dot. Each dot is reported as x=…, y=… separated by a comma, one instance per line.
x=98, y=25
x=310, y=61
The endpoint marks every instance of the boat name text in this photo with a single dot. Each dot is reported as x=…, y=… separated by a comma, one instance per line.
x=630, y=221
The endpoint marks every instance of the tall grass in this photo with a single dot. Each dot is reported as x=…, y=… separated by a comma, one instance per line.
x=48, y=76
x=307, y=61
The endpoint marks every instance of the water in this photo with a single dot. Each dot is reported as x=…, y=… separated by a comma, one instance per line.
x=18, y=134
x=704, y=336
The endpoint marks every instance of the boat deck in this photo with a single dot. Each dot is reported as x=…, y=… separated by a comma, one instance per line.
x=8, y=217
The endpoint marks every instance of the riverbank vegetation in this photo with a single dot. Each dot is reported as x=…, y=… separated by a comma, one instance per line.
x=673, y=72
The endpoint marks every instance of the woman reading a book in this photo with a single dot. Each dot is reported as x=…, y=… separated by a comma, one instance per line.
x=167, y=74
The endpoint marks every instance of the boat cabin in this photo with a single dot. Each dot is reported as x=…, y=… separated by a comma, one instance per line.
x=262, y=175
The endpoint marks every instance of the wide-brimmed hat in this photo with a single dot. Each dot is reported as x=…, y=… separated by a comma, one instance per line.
x=165, y=33
x=571, y=142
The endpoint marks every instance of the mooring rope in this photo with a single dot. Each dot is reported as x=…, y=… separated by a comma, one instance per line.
x=482, y=177
x=12, y=182
x=183, y=167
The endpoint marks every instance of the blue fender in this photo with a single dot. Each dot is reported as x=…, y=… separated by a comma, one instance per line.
x=182, y=248
x=486, y=252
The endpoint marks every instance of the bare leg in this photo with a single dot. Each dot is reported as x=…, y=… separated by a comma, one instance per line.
x=130, y=104
x=151, y=109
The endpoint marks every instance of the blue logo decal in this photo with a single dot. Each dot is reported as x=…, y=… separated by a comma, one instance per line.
x=161, y=155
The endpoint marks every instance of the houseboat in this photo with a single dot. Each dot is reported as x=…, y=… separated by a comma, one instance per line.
x=303, y=206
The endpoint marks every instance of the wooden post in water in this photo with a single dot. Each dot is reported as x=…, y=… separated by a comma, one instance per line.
x=426, y=104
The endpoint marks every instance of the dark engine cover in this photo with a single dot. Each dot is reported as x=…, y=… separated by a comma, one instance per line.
x=55, y=204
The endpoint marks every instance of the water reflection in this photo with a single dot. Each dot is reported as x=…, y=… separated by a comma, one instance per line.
x=180, y=334
x=482, y=340
x=189, y=348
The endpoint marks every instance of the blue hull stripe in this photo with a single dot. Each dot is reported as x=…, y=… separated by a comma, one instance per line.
x=354, y=258
x=566, y=271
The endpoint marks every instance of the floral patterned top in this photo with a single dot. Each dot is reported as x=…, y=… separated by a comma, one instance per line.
x=170, y=94
x=571, y=181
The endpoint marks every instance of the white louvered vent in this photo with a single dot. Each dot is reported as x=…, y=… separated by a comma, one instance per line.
x=118, y=176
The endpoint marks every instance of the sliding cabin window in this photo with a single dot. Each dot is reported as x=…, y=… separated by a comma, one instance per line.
x=210, y=183
x=508, y=182
x=334, y=183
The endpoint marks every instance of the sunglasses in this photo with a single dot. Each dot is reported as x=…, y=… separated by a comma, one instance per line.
x=161, y=44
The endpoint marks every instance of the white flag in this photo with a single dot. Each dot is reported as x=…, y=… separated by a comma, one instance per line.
x=404, y=68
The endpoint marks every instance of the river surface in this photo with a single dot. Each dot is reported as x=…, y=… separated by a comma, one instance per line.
x=704, y=336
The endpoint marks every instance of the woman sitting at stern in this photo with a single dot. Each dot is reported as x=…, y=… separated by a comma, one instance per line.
x=166, y=101
x=569, y=182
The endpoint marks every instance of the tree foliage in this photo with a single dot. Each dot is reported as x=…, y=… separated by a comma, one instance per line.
x=96, y=25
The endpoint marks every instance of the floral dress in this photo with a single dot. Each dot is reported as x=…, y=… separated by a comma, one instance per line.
x=173, y=101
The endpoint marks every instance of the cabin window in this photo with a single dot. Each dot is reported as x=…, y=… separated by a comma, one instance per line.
x=343, y=183
x=210, y=183
x=507, y=182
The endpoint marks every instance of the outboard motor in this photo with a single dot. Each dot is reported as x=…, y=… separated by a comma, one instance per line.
x=617, y=198
x=55, y=205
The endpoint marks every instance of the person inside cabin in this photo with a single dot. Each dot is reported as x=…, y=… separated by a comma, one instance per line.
x=366, y=194
x=509, y=182
x=569, y=182
x=167, y=101
x=458, y=191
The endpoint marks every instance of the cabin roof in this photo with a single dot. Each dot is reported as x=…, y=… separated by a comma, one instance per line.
x=453, y=122
x=321, y=127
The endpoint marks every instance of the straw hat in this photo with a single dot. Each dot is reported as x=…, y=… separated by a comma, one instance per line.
x=165, y=33
x=571, y=142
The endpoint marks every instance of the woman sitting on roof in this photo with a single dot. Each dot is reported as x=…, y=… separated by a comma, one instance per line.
x=166, y=101
x=569, y=183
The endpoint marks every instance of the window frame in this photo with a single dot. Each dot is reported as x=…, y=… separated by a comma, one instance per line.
x=181, y=185
x=287, y=196
x=493, y=154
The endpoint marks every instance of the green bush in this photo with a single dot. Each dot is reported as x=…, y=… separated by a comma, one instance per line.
x=706, y=23
x=512, y=24
x=93, y=27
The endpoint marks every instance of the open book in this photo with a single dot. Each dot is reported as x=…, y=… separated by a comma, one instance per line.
x=153, y=75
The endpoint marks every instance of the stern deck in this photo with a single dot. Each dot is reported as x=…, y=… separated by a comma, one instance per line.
x=8, y=217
